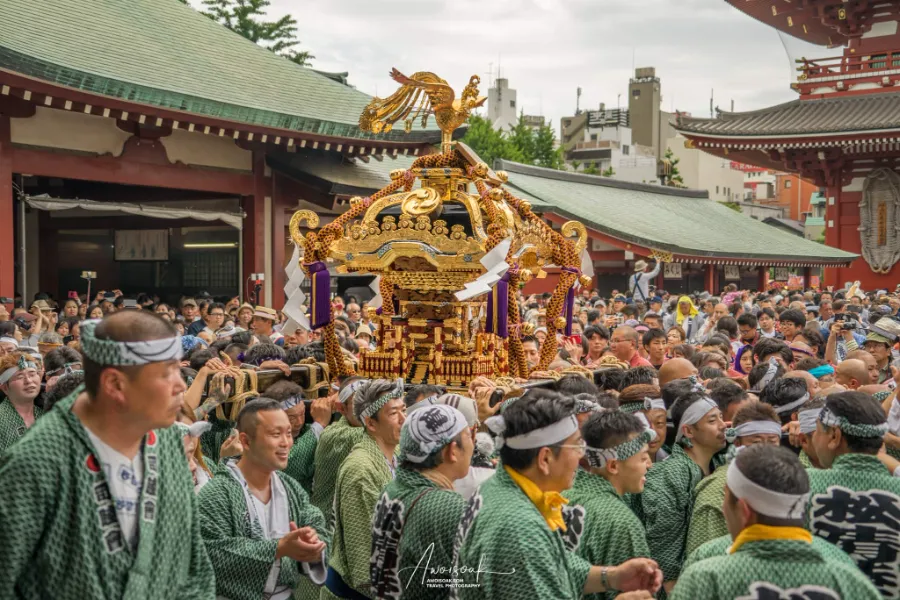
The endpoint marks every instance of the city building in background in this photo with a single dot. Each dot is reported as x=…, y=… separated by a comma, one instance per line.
x=502, y=110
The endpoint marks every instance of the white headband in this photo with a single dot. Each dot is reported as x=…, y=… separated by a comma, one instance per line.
x=22, y=365
x=538, y=438
x=347, y=393
x=654, y=404
x=769, y=376
x=753, y=428
x=427, y=401
x=765, y=501
x=792, y=405
x=693, y=414
x=9, y=340
x=808, y=419
x=122, y=354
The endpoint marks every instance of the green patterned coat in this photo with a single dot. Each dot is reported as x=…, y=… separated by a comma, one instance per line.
x=361, y=479
x=12, y=427
x=612, y=532
x=334, y=445
x=707, y=520
x=773, y=570
x=405, y=544
x=720, y=545
x=503, y=534
x=301, y=465
x=667, y=503
x=61, y=535
x=856, y=505
x=241, y=556
x=211, y=441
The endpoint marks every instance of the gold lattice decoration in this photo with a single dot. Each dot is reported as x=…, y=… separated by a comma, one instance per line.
x=424, y=234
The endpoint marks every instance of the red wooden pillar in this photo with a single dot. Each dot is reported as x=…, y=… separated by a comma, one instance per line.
x=762, y=276
x=709, y=279
x=7, y=215
x=254, y=233
x=279, y=224
x=807, y=276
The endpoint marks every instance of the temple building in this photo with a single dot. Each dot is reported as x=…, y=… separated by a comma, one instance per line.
x=159, y=149
x=842, y=133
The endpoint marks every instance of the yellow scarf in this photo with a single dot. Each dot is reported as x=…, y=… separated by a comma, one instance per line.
x=758, y=532
x=549, y=504
x=679, y=317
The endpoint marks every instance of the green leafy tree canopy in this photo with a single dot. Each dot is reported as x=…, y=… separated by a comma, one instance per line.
x=248, y=18
x=521, y=144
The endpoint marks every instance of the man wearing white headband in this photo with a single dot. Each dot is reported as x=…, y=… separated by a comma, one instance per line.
x=515, y=540
x=335, y=444
x=365, y=472
x=617, y=458
x=667, y=501
x=262, y=534
x=419, y=512
x=854, y=501
x=771, y=555
x=756, y=423
x=103, y=477
x=306, y=435
x=807, y=421
x=20, y=380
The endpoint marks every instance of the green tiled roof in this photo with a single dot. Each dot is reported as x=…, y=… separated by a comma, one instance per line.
x=165, y=54
x=343, y=177
x=817, y=198
x=679, y=221
x=814, y=222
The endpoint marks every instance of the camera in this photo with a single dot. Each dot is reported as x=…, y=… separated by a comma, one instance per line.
x=849, y=326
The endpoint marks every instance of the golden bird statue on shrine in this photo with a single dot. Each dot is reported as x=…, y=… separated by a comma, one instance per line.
x=420, y=95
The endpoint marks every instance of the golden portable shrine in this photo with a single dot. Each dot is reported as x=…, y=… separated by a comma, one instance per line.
x=450, y=246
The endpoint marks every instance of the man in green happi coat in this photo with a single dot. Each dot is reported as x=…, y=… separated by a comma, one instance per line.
x=97, y=501
x=419, y=512
x=306, y=435
x=668, y=498
x=772, y=555
x=334, y=445
x=854, y=501
x=367, y=469
x=260, y=530
x=618, y=457
x=756, y=423
x=20, y=381
x=517, y=536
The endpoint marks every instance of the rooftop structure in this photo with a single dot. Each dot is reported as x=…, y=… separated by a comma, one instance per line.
x=843, y=133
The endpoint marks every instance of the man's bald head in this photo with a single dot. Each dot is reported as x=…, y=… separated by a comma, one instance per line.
x=125, y=326
x=868, y=359
x=852, y=373
x=676, y=368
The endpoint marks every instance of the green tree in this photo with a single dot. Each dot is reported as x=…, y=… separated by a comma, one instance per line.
x=674, y=178
x=733, y=206
x=610, y=172
x=591, y=169
x=247, y=17
x=522, y=137
x=546, y=152
x=488, y=143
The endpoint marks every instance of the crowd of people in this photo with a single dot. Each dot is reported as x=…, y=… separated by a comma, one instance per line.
x=743, y=444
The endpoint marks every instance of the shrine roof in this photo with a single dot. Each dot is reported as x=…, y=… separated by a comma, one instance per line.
x=867, y=113
x=163, y=53
x=684, y=222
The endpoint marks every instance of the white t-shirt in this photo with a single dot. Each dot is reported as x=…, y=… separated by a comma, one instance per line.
x=266, y=520
x=125, y=478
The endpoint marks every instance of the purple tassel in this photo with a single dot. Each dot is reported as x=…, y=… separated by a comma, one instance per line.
x=569, y=307
x=320, y=281
x=498, y=308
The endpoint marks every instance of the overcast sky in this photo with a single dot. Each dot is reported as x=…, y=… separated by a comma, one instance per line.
x=549, y=48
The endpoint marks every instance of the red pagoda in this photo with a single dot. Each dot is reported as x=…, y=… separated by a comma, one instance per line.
x=843, y=132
